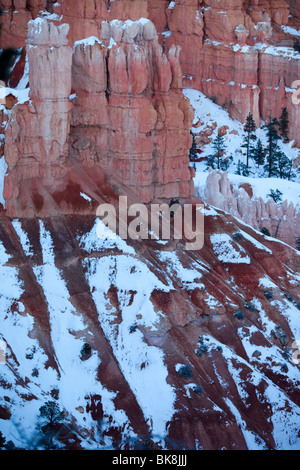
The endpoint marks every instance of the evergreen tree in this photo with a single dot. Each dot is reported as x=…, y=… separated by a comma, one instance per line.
x=51, y=412
x=193, y=150
x=272, y=135
x=265, y=231
x=218, y=159
x=225, y=162
x=2, y=440
x=271, y=166
x=298, y=243
x=258, y=154
x=242, y=169
x=7, y=58
x=284, y=124
x=249, y=128
x=285, y=166
x=276, y=195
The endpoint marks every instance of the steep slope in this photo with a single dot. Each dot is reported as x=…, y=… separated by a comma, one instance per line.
x=228, y=313
x=245, y=197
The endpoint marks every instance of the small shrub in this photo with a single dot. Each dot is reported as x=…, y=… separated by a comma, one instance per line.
x=286, y=355
x=185, y=371
x=2, y=440
x=10, y=445
x=276, y=195
x=283, y=339
x=237, y=236
x=265, y=231
x=35, y=372
x=249, y=307
x=268, y=295
x=198, y=389
x=239, y=314
x=296, y=45
x=86, y=351
x=51, y=412
x=133, y=328
x=202, y=349
x=280, y=335
x=288, y=296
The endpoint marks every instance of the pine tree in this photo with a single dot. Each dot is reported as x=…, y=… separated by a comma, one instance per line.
x=7, y=59
x=51, y=412
x=242, y=169
x=265, y=231
x=285, y=166
x=217, y=159
x=276, y=195
x=271, y=166
x=249, y=128
x=258, y=154
x=193, y=150
x=284, y=124
x=2, y=440
x=298, y=243
x=272, y=135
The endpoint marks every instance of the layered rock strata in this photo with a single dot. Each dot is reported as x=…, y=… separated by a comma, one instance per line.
x=128, y=93
x=212, y=38
x=37, y=133
x=125, y=91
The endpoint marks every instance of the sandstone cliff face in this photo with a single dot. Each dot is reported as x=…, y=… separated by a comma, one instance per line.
x=37, y=132
x=141, y=136
x=211, y=37
x=223, y=54
x=126, y=91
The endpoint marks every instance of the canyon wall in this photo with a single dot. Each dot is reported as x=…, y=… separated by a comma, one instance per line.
x=295, y=8
x=125, y=91
x=141, y=133
x=224, y=49
x=225, y=54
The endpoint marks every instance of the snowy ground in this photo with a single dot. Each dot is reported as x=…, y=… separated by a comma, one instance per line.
x=208, y=113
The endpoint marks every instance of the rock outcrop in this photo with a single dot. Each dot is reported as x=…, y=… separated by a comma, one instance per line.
x=225, y=54
x=36, y=146
x=125, y=91
x=186, y=349
x=294, y=8
x=141, y=135
x=281, y=220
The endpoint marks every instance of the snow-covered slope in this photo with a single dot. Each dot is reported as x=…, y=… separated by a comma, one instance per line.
x=246, y=197
x=228, y=313
x=210, y=116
